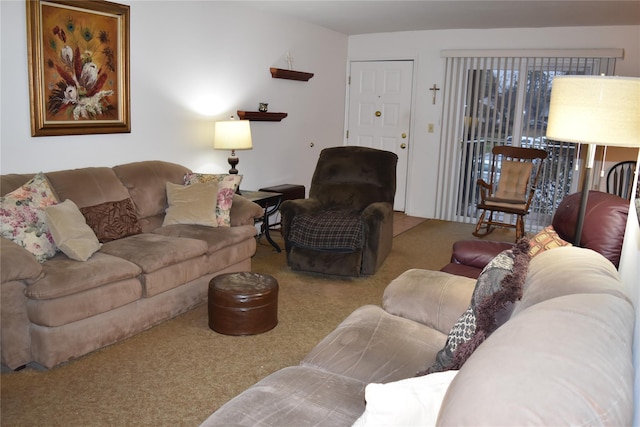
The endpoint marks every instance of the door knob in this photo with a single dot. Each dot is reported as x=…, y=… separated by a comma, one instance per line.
x=404, y=135
x=378, y=113
x=403, y=145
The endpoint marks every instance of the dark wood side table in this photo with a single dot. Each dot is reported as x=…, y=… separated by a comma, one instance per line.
x=289, y=192
x=270, y=202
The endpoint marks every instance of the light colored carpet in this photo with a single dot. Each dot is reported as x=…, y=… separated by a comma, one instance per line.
x=179, y=372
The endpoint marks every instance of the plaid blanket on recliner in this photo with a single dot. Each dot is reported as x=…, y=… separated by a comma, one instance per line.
x=331, y=230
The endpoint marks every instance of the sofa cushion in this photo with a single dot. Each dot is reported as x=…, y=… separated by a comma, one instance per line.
x=146, y=184
x=294, y=396
x=565, y=361
x=595, y=276
x=64, y=276
x=497, y=288
x=410, y=402
x=366, y=346
x=112, y=220
x=152, y=251
x=81, y=305
x=87, y=186
x=191, y=204
x=22, y=218
x=215, y=237
x=70, y=231
x=227, y=186
x=512, y=186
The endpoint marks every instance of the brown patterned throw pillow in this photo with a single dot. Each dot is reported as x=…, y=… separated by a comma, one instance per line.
x=498, y=287
x=112, y=220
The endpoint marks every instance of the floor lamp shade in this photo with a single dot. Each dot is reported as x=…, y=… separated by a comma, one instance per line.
x=232, y=135
x=594, y=110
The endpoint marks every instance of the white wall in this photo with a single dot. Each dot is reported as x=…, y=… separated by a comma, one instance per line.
x=193, y=63
x=425, y=46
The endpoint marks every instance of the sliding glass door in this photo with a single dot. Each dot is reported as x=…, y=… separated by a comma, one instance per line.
x=504, y=100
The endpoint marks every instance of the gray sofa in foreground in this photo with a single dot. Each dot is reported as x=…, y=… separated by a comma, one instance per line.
x=63, y=308
x=563, y=357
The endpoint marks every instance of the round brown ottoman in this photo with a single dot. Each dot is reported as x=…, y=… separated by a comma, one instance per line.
x=243, y=303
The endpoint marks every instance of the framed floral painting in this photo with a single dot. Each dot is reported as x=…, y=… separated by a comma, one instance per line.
x=78, y=67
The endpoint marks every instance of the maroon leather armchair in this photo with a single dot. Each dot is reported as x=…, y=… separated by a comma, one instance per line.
x=605, y=222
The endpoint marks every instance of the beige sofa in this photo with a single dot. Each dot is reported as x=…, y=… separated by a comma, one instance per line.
x=62, y=309
x=563, y=357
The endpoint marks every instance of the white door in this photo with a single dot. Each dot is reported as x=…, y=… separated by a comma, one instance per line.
x=380, y=112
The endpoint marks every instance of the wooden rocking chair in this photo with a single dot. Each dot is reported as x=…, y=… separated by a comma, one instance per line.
x=515, y=167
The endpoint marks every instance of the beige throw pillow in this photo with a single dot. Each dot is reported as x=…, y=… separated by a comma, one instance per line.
x=70, y=231
x=191, y=204
x=227, y=186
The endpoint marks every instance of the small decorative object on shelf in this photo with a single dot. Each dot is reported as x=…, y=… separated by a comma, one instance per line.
x=263, y=107
x=257, y=116
x=279, y=73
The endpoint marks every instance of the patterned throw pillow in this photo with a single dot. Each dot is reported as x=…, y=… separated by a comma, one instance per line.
x=546, y=239
x=112, y=220
x=227, y=186
x=22, y=218
x=498, y=287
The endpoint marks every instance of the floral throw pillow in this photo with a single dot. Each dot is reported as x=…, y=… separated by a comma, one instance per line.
x=23, y=220
x=227, y=186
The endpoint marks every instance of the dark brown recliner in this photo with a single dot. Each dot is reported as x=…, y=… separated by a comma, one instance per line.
x=605, y=222
x=345, y=227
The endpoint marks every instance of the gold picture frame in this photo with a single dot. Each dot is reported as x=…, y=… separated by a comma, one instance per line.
x=78, y=54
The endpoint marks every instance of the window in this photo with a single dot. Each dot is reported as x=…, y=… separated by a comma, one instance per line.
x=502, y=98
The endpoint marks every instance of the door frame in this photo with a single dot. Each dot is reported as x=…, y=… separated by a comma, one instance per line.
x=414, y=61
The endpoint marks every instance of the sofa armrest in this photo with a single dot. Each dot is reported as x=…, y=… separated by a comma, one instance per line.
x=469, y=257
x=16, y=263
x=477, y=253
x=378, y=223
x=433, y=298
x=244, y=212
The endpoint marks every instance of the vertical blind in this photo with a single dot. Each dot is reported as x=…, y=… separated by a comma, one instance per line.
x=502, y=98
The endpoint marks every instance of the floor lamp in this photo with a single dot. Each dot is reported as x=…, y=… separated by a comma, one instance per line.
x=594, y=110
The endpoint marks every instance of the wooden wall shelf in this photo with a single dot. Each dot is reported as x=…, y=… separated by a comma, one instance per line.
x=257, y=116
x=279, y=73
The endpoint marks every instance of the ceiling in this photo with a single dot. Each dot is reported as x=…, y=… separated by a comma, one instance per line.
x=380, y=16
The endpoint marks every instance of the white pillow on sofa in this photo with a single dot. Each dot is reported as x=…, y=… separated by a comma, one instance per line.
x=410, y=402
x=70, y=231
x=191, y=204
